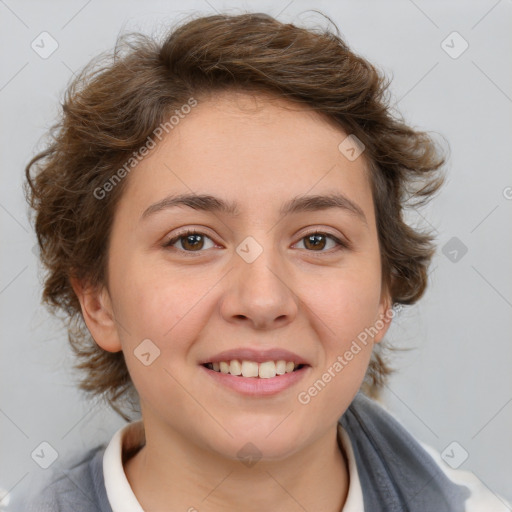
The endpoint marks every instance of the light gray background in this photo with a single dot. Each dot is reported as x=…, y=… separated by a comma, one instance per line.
x=457, y=384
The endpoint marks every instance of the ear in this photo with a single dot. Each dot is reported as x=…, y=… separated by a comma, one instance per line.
x=383, y=320
x=98, y=314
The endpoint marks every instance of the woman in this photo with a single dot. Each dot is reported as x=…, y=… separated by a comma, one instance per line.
x=221, y=219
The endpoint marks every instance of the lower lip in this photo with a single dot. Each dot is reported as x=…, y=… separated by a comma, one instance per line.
x=255, y=386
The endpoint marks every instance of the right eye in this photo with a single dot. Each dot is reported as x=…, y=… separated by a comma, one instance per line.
x=190, y=241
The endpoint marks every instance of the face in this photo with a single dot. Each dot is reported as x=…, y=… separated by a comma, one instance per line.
x=276, y=275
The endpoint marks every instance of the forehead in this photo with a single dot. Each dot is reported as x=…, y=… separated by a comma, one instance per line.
x=251, y=148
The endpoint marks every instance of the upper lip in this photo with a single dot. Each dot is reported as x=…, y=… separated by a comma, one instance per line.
x=258, y=356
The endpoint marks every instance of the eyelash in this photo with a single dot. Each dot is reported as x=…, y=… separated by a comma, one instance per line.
x=341, y=245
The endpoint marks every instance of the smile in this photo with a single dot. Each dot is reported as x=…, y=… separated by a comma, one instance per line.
x=254, y=379
x=265, y=370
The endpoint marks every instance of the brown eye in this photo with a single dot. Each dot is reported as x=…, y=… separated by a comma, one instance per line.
x=317, y=242
x=190, y=242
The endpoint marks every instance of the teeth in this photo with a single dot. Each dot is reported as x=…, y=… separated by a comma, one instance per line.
x=280, y=367
x=235, y=368
x=249, y=369
x=265, y=370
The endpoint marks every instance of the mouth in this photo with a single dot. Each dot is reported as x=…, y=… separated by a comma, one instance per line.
x=255, y=380
x=253, y=369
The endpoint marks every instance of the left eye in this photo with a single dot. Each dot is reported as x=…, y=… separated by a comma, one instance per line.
x=318, y=241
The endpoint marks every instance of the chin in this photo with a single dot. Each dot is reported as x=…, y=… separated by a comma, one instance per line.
x=259, y=444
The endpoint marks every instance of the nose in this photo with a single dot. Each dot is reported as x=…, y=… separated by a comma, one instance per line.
x=259, y=294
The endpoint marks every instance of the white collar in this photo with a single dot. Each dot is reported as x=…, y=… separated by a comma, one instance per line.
x=122, y=498
x=119, y=492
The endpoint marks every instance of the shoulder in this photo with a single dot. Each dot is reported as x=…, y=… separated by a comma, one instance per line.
x=79, y=488
x=395, y=467
x=480, y=496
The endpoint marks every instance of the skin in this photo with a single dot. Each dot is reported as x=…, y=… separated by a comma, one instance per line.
x=311, y=300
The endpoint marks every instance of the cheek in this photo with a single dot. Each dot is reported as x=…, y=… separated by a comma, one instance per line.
x=160, y=310
x=344, y=315
x=168, y=310
x=170, y=313
x=347, y=301
x=152, y=298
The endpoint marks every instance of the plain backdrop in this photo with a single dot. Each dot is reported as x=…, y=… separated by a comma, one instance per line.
x=456, y=385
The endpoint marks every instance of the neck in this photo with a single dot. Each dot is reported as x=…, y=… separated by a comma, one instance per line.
x=170, y=474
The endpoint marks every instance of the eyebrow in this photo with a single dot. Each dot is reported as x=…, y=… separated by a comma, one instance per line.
x=209, y=203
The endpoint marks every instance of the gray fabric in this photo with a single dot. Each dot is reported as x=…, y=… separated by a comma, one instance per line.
x=396, y=473
x=79, y=489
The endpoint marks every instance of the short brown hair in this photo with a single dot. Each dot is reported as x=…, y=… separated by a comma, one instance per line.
x=118, y=101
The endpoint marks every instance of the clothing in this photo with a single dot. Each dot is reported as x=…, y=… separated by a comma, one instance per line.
x=389, y=471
